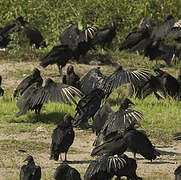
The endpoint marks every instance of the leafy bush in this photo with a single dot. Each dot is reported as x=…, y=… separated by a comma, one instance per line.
x=51, y=17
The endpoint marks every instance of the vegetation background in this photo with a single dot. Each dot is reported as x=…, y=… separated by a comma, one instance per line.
x=51, y=17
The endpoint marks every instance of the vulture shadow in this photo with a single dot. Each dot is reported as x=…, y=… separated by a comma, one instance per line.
x=80, y=162
x=169, y=153
x=177, y=136
x=52, y=117
x=159, y=162
x=104, y=59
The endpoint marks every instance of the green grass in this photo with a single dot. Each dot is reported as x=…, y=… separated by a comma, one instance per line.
x=161, y=117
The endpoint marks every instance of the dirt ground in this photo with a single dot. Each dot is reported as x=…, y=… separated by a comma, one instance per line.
x=79, y=154
x=79, y=157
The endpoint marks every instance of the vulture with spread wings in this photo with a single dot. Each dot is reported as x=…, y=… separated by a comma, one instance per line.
x=117, y=121
x=78, y=40
x=105, y=167
x=34, y=97
x=95, y=79
x=28, y=81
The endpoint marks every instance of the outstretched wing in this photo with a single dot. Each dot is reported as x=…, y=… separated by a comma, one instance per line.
x=70, y=36
x=107, y=164
x=24, y=102
x=118, y=122
x=115, y=145
x=122, y=76
x=55, y=92
x=88, y=82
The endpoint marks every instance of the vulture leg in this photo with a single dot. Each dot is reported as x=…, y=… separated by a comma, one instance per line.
x=65, y=157
x=134, y=155
x=60, y=69
x=61, y=160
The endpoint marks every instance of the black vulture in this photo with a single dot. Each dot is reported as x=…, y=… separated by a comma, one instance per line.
x=118, y=121
x=162, y=84
x=161, y=51
x=1, y=89
x=62, y=138
x=106, y=166
x=135, y=39
x=33, y=35
x=5, y=34
x=71, y=77
x=79, y=41
x=138, y=142
x=139, y=36
x=58, y=55
x=177, y=173
x=145, y=88
x=131, y=139
x=160, y=31
x=28, y=81
x=179, y=77
x=100, y=117
x=34, y=97
x=146, y=22
x=95, y=79
x=105, y=35
x=87, y=107
x=169, y=83
x=150, y=40
x=30, y=171
x=66, y=172
x=115, y=145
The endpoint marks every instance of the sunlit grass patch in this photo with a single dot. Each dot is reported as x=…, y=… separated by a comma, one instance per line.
x=15, y=145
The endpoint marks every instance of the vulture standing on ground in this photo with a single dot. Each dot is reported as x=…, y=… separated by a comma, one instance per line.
x=34, y=97
x=87, y=107
x=28, y=81
x=105, y=167
x=118, y=121
x=66, y=172
x=30, y=171
x=71, y=78
x=95, y=79
x=105, y=35
x=59, y=55
x=132, y=139
x=169, y=84
x=162, y=84
x=62, y=138
x=145, y=88
x=33, y=35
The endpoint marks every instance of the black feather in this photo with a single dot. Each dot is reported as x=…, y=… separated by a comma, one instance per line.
x=30, y=171
x=87, y=107
x=62, y=138
x=28, y=81
x=66, y=172
x=33, y=34
x=34, y=97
